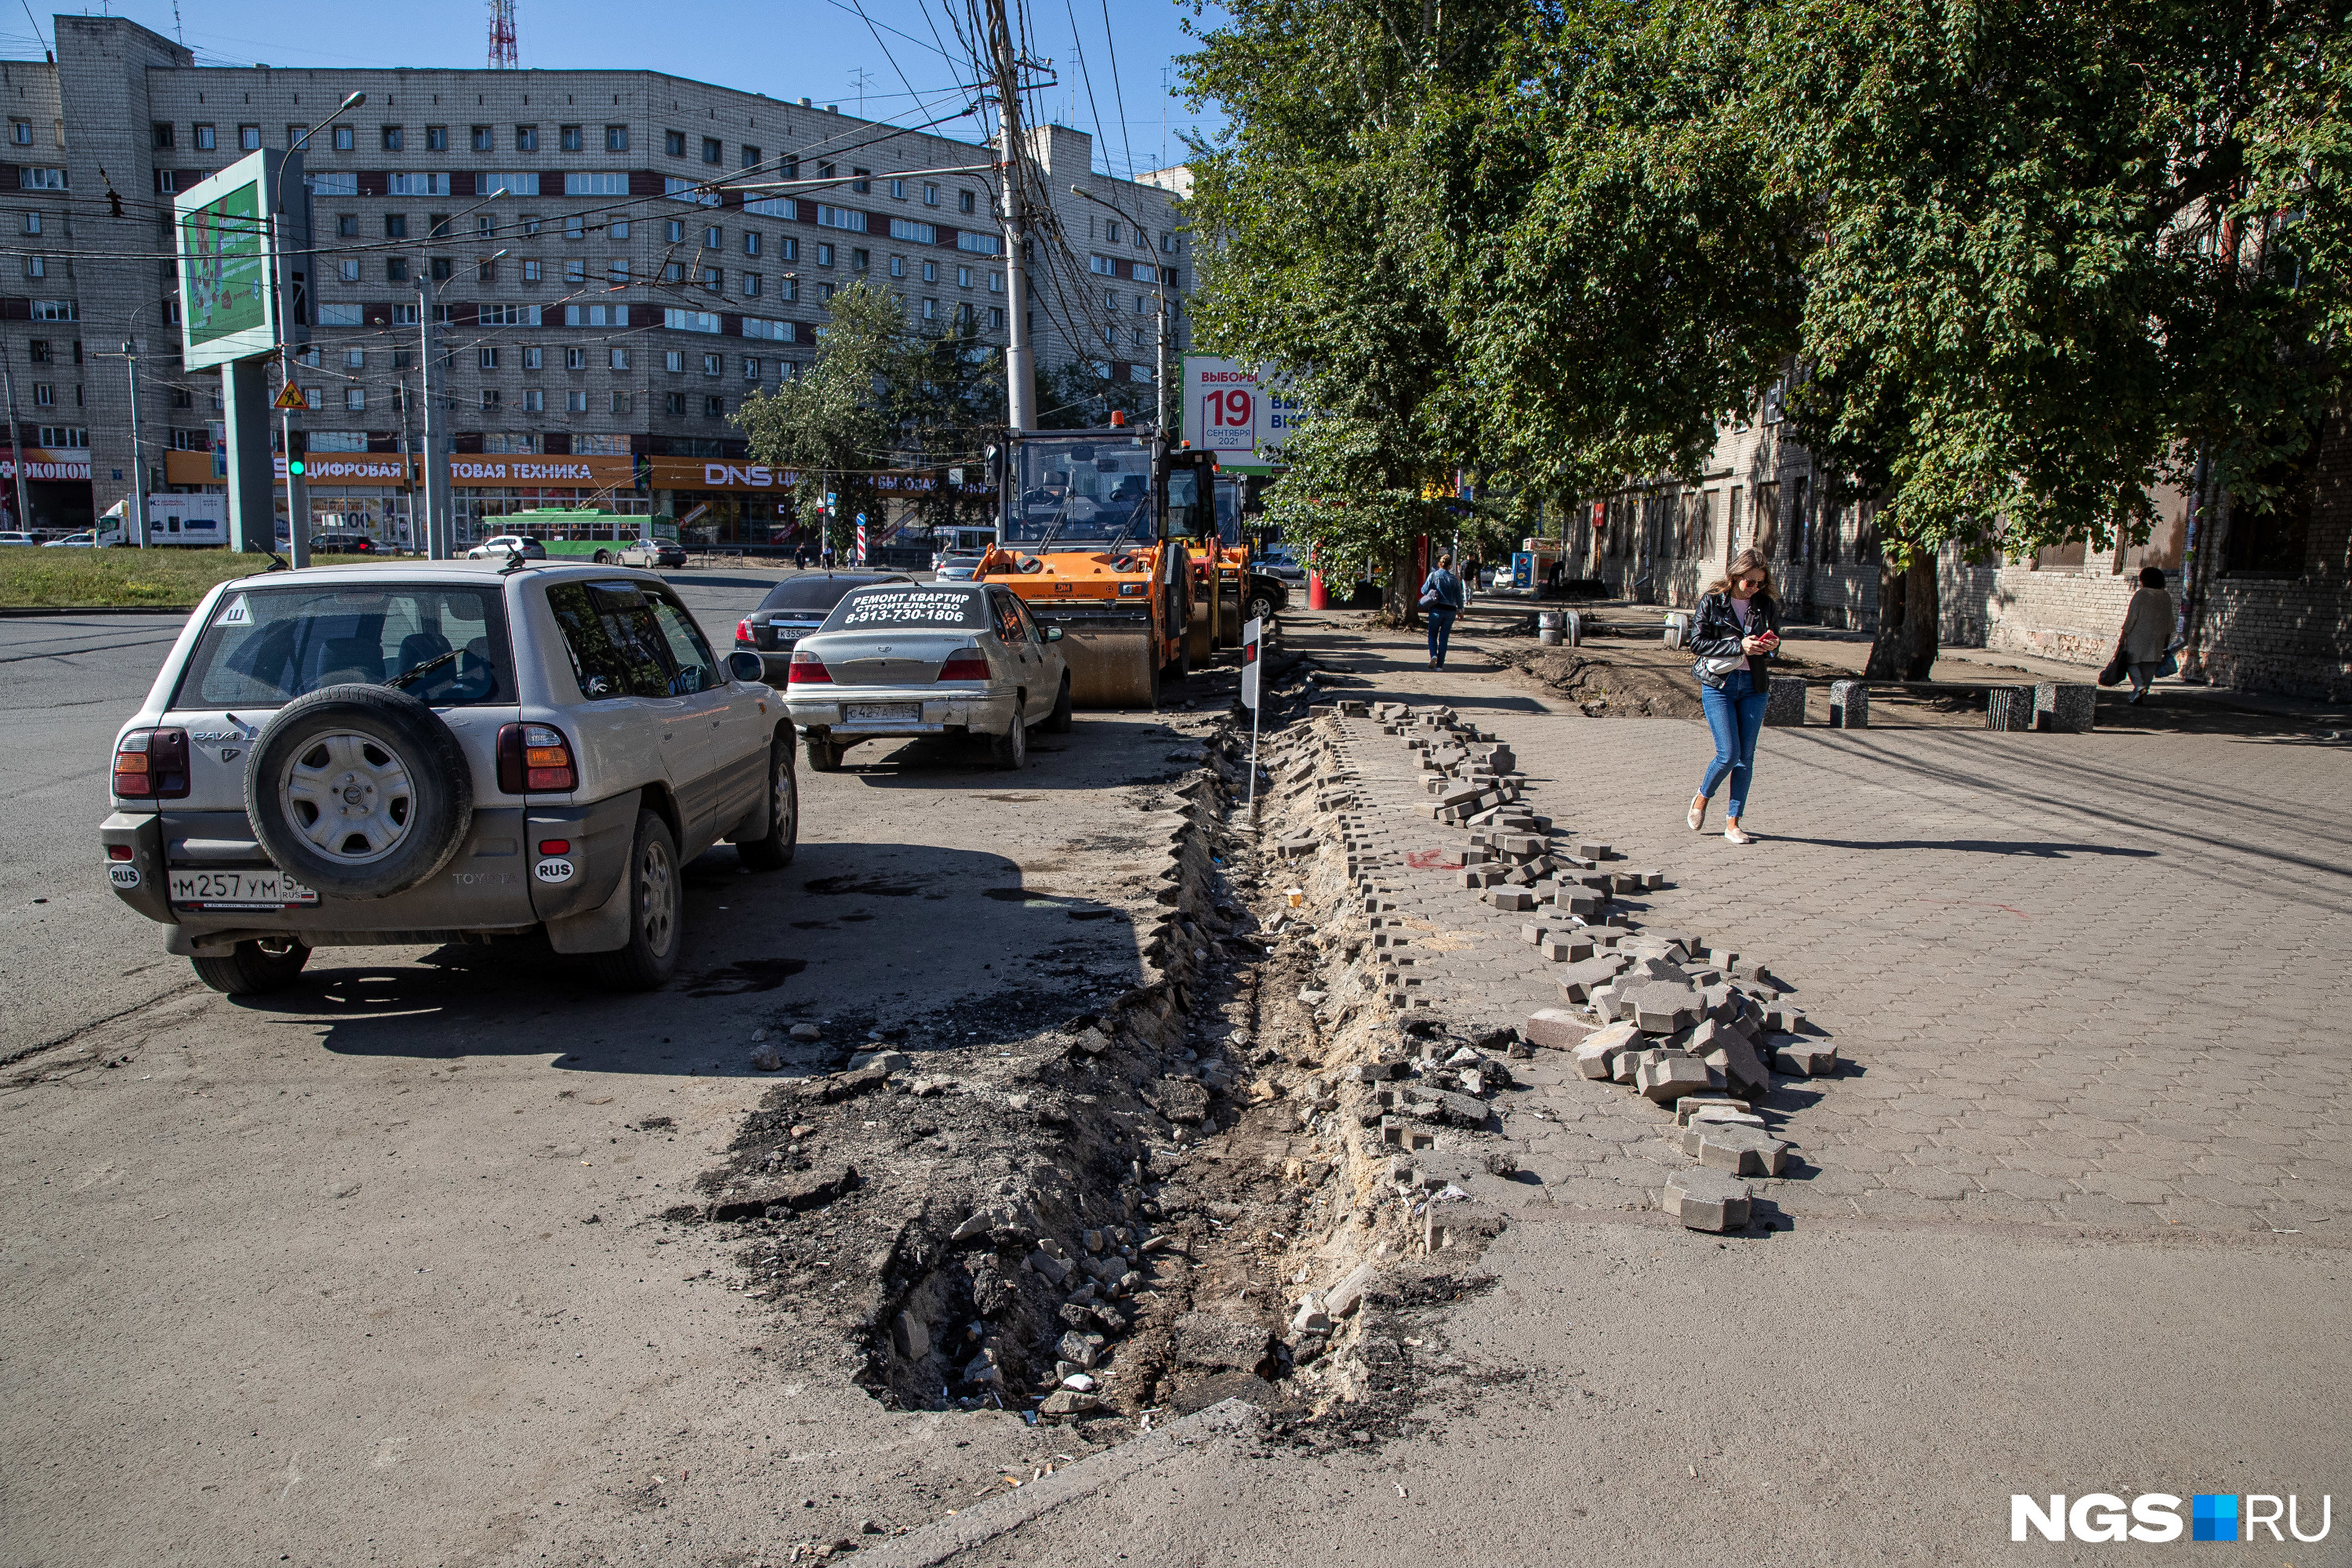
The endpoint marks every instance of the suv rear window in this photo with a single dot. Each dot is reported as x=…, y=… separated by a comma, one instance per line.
x=266, y=647
x=816, y=592
x=912, y=605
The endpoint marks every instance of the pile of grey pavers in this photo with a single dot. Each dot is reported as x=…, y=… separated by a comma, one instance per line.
x=1695, y=1028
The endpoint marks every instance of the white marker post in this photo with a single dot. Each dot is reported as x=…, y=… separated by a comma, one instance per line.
x=1252, y=636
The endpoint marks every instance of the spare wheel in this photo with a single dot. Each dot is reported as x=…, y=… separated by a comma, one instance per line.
x=359, y=791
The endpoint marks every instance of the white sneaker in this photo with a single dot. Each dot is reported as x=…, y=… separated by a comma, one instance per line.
x=1734, y=833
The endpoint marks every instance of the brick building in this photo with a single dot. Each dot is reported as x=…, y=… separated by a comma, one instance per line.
x=2276, y=616
x=618, y=259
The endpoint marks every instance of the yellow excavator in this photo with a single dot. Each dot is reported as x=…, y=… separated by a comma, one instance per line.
x=1093, y=535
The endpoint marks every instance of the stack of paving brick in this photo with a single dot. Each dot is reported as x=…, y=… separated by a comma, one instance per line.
x=1693, y=1029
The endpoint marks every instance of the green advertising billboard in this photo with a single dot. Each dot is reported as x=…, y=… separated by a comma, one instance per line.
x=227, y=308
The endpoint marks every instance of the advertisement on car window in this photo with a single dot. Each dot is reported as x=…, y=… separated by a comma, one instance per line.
x=907, y=607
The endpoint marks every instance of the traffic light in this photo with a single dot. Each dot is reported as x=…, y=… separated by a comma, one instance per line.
x=641, y=470
x=295, y=467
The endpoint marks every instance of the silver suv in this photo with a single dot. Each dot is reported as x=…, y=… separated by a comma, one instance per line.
x=387, y=755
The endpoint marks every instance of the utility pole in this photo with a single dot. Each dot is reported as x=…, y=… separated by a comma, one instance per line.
x=15, y=440
x=437, y=471
x=407, y=468
x=1020, y=363
x=137, y=453
x=298, y=489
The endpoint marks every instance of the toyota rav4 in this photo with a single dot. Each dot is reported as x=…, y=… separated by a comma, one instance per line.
x=437, y=752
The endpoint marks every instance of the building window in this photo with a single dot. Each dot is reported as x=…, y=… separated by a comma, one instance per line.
x=622, y=403
x=20, y=131
x=533, y=359
x=617, y=270
x=44, y=395
x=354, y=359
x=674, y=231
x=534, y=400
x=930, y=310
x=788, y=248
x=674, y=403
x=862, y=181
x=674, y=361
x=965, y=202
x=492, y=398
x=574, y=140
x=617, y=358
x=575, y=402
x=751, y=285
x=395, y=270
x=897, y=267
x=248, y=137
x=482, y=142
x=714, y=408
x=712, y=153
x=348, y=270
x=355, y=398
x=395, y=226
x=208, y=139
x=392, y=138
x=857, y=259
x=713, y=237
x=575, y=269
x=714, y=279
x=36, y=266
x=750, y=369
x=617, y=139
x=930, y=271
x=712, y=364
x=824, y=255
x=750, y=242
x=41, y=352
x=996, y=282
x=1102, y=266
x=436, y=139
x=574, y=227
x=674, y=143
x=996, y=317
x=488, y=355
x=531, y=270
x=441, y=269
x=788, y=289
x=963, y=277
x=824, y=293
x=750, y=156
x=162, y=134
x=525, y=138
x=673, y=272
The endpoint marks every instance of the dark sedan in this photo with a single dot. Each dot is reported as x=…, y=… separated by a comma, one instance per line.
x=795, y=607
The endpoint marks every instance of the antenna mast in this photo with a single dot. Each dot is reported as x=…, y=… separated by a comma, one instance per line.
x=503, y=35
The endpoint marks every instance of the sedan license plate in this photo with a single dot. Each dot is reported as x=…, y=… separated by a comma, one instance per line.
x=881, y=712
x=238, y=890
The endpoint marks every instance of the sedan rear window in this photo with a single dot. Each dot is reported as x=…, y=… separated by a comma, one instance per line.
x=817, y=594
x=266, y=647
x=913, y=605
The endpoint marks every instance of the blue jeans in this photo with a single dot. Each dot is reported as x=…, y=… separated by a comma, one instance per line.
x=1441, y=630
x=1736, y=715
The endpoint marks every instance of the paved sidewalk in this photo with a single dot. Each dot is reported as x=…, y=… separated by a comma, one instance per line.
x=2095, y=981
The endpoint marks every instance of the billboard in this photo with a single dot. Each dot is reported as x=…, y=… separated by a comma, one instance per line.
x=227, y=308
x=1241, y=413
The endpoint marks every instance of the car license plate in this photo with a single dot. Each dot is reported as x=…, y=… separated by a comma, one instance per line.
x=238, y=890
x=882, y=713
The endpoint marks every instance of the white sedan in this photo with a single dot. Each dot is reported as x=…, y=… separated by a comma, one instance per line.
x=507, y=544
x=899, y=659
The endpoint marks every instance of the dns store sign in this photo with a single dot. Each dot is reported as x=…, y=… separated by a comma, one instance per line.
x=2156, y=1516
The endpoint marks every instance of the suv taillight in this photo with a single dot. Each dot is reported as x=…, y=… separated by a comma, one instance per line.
x=964, y=663
x=744, y=637
x=535, y=759
x=807, y=669
x=152, y=764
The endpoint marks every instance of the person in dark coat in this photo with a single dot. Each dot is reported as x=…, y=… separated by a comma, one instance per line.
x=1735, y=632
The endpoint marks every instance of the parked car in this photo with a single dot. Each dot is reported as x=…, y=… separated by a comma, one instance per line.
x=795, y=607
x=503, y=546
x=434, y=752
x=959, y=567
x=653, y=552
x=341, y=544
x=897, y=659
x=1279, y=562
x=19, y=538
x=84, y=541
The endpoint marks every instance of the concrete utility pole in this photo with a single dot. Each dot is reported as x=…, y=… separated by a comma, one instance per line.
x=138, y=456
x=1020, y=360
x=438, y=546
x=15, y=441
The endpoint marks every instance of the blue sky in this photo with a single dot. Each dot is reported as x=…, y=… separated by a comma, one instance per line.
x=812, y=48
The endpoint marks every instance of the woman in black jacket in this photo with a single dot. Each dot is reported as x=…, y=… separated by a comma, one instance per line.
x=1735, y=634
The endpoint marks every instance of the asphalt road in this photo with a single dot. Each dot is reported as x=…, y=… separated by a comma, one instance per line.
x=71, y=954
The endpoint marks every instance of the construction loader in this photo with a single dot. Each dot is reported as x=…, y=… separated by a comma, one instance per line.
x=1095, y=530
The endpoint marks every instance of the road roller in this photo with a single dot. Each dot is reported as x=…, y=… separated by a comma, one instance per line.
x=1093, y=533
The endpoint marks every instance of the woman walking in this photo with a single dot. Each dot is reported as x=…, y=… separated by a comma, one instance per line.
x=1735, y=633
x=2147, y=630
x=1442, y=598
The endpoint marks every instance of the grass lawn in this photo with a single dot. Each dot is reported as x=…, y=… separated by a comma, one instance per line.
x=33, y=578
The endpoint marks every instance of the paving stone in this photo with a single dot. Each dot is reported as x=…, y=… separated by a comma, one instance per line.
x=1741, y=1150
x=1803, y=1057
x=1553, y=1027
x=1706, y=1199
x=1671, y=1077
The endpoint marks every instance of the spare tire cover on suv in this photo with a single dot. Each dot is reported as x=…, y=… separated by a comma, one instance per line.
x=359, y=791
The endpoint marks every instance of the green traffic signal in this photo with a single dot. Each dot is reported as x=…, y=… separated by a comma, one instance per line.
x=295, y=468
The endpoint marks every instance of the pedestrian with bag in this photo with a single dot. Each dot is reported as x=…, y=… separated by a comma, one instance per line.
x=2144, y=647
x=1735, y=632
x=1442, y=597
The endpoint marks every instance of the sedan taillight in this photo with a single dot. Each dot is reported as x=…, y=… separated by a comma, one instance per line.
x=535, y=759
x=152, y=764
x=743, y=632
x=807, y=669
x=964, y=663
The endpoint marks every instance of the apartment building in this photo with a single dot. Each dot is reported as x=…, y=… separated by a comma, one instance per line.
x=601, y=265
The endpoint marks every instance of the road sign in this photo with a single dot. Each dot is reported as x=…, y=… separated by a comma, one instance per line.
x=1252, y=633
x=289, y=396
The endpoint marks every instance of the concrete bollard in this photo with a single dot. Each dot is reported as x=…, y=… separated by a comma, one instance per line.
x=1677, y=629
x=1547, y=628
x=1785, y=701
x=1849, y=705
x=2065, y=707
x=2009, y=708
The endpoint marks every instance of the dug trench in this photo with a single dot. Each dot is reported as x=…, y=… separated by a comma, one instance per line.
x=1071, y=1225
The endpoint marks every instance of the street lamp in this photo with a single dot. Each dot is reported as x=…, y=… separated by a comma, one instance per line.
x=1159, y=278
x=298, y=491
